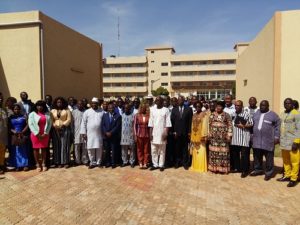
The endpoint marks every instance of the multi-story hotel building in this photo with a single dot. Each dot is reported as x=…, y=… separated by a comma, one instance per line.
x=209, y=75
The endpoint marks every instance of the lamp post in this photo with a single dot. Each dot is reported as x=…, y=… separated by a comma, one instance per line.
x=152, y=82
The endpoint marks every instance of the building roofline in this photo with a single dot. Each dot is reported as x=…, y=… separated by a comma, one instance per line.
x=241, y=44
x=160, y=48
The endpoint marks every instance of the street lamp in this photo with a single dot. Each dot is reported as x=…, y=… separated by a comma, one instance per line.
x=152, y=82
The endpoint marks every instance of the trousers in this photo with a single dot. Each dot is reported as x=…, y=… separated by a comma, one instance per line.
x=132, y=154
x=291, y=160
x=158, y=152
x=258, y=155
x=95, y=156
x=143, y=150
x=240, y=157
x=81, y=154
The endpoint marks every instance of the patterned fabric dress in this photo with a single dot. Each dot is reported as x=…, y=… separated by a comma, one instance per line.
x=198, y=147
x=220, y=128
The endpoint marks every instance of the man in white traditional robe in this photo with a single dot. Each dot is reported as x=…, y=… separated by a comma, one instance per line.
x=91, y=131
x=159, y=124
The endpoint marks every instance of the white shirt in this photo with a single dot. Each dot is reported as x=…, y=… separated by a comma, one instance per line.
x=230, y=110
x=159, y=120
x=91, y=126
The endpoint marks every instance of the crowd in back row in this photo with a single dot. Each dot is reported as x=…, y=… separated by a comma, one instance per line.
x=196, y=134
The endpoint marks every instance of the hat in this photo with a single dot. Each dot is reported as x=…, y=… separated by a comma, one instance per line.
x=149, y=96
x=95, y=100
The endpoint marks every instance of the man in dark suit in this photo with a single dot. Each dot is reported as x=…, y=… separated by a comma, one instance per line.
x=111, y=130
x=26, y=105
x=181, y=119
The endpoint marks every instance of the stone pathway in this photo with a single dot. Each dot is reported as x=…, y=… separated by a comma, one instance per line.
x=132, y=196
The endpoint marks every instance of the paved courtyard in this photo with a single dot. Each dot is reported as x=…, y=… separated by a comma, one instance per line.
x=132, y=196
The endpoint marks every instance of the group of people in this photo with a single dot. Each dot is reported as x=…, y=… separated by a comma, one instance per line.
x=195, y=134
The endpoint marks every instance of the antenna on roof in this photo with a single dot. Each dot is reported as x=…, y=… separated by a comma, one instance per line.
x=119, y=45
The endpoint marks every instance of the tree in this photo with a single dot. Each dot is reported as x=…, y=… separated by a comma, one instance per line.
x=160, y=91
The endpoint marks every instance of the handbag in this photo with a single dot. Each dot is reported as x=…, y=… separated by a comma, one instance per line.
x=18, y=140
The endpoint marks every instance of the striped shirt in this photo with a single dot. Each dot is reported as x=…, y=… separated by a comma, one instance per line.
x=241, y=137
x=250, y=110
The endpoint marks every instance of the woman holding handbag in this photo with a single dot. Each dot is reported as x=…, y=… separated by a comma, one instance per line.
x=19, y=146
x=40, y=123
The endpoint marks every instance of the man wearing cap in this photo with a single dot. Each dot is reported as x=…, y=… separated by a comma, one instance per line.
x=149, y=100
x=91, y=131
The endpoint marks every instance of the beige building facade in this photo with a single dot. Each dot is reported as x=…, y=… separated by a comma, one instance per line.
x=210, y=75
x=269, y=67
x=42, y=56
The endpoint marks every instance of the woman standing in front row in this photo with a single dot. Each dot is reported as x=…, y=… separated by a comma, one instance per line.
x=39, y=122
x=199, y=133
x=220, y=133
x=142, y=135
x=61, y=138
x=19, y=146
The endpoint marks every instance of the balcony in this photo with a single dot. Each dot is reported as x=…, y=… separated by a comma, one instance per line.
x=128, y=79
x=123, y=70
x=211, y=77
x=209, y=67
x=125, y=89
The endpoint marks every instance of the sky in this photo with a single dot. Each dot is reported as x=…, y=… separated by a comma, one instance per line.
x=190, y=26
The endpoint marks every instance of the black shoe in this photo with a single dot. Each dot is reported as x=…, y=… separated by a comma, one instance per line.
x=186, y=167
x=176, y=166
x=162, y=169
x=244, y=174
x=124, y=164
x=256, y=173
x=113, y=166
x=267, y=178
x=292, y=183
x=91, y=167
x=234, y=171
x=132, y=165
x=283, y=179
x=153, y=168
x=107, y=165
x=100, y=166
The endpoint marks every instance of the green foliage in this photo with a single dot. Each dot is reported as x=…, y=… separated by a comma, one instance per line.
x=160, y=91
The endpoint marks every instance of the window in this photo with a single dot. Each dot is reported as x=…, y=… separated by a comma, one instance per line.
x=164, y=64
x=203, y=62
x=203, y=72
x=164, y=74
x=164, y=84
x=176, y=64
x=152, y=71
x=216, y=62
x=139, y=84
x=152, y=61
x=106, y=85
x=230, y=61
x=152, y=52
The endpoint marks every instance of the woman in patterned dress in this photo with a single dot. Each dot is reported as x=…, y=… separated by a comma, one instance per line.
x=198, y=140
x=220, y=133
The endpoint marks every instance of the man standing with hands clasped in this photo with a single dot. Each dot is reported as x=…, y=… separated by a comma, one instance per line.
x=266, y=132
x=159, y=124
x=91, y=131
